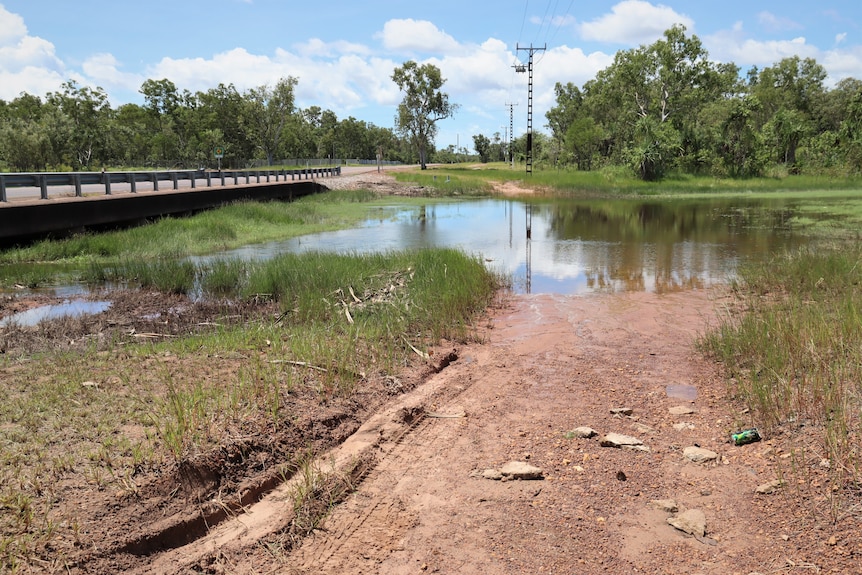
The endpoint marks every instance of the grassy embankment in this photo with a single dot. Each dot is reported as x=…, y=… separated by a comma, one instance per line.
x=104, y=419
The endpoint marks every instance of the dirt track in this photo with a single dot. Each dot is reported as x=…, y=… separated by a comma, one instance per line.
x=550, y=364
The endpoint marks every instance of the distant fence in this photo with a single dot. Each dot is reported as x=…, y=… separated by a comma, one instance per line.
x=45, y=180
x=308, y=162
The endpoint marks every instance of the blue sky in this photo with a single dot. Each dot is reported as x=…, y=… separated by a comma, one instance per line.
x=343, y=52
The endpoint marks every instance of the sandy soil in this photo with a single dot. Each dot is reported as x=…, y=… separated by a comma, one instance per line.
x=402, y=474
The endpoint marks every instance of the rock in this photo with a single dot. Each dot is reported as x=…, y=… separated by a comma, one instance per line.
x=683, y=426
x=643, y=428
x=89, y=384
x=622, y=411
x=583, y=432
x=619, y=440
x=643, y=448
x=699, y=454
x=520, y=470
x=666, y=505
x=770, y=487
x=692, y=522
x=681, y=410
x=492, y=474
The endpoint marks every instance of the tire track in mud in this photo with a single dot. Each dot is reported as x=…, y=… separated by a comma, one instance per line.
x=363, y=456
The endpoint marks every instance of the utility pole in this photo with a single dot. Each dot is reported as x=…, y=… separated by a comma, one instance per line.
x=511, y=132
x=520, y=68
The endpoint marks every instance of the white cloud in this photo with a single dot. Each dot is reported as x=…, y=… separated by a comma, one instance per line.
x=12, y=27
x=839, y=38
x=27, y=63
x=104, y=70
x=634, y=22
x=317, y=48
x=420, y=36
x=775, y=23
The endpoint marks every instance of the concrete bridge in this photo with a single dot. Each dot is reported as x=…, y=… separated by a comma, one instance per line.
x=55, y=204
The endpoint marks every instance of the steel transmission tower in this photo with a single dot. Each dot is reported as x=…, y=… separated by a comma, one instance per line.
x=511, y=133
x=520, y=68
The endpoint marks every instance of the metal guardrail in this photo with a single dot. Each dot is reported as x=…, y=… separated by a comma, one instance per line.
x=44, y=180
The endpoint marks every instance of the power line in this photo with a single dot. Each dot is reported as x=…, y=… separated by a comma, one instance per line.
x=531, y=50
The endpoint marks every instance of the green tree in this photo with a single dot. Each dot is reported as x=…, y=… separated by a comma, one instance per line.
x=741, y=145
x=482, y=145
x=269, y=110
x=582, y=140
x=89, y=114
x=424, y=104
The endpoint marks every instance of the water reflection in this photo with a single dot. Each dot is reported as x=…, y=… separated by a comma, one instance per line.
x=74, y=308
x=576, y=246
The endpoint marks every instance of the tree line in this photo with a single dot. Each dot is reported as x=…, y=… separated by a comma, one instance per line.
x=76, y=128
x=666, y=108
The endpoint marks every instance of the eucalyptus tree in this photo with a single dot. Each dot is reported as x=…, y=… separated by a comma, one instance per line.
x=88, y=116
x=131, y=138
x=223, y=110
x=267, y=113
x=424, y=105
x=482, y=145
x=851, y=132
x=648, y=96
x=791, y=91
x=162, y=102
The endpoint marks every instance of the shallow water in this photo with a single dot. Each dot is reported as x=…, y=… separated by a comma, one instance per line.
x=72, y=308
x=567, y=246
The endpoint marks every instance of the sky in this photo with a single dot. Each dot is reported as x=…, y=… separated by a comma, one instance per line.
x=343, y=53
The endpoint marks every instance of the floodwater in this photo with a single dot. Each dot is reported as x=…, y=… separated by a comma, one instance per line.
x=73, y=308
x=572, y=247
x=551, y=246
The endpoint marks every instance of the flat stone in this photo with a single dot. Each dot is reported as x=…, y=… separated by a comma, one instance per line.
x=666, y=505
x=692, y=522
x=619, y=440
x=683, y=426
x=520, y=470
x=584, y=432
x=622, y=411
x=643, y=448
x=770, y=487
x=699, y=454
x=644, y=428
x=492, y=474
x=681, y=410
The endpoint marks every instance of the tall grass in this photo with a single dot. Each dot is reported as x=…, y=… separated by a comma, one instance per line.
x=228, y=227
x=796, y=350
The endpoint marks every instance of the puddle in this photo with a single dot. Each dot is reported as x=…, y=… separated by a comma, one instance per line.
x=73, y=308
x=682, y=391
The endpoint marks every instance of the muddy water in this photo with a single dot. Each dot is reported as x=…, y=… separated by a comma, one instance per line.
x=566, y=246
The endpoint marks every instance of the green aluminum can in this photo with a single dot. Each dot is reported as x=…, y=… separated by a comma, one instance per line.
x=746, y=436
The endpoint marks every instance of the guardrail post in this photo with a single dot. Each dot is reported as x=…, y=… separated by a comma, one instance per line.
x=222, y=177
x=175, y=180
x=338, y=169
x=133, y=184
x=76, y=179
x=43, y=187
x=209, y=180
x=106, y=178
x=155, y=177
x=236, y=178
x=3, y=189
x=193, y=176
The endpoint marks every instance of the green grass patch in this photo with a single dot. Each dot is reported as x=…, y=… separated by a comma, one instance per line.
x=795, y=352
x=102, y=420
